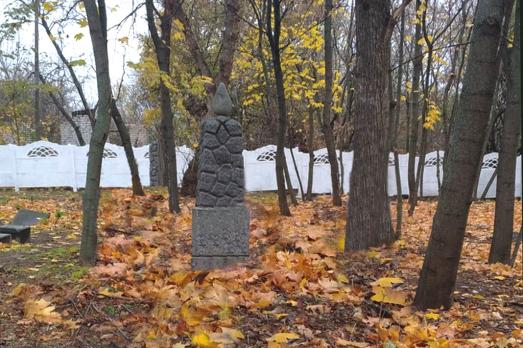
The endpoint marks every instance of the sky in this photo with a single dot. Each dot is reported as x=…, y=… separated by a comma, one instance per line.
x=119, y=53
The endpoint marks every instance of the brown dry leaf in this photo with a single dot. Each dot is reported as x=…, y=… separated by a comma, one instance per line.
x=43, y=311
x=283, y=337
x=389, y=295
x=344, y=343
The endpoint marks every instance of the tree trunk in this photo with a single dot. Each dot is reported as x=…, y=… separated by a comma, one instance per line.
x=91, y=197
x=128, y=148
x=162, y=44
x=504, y=215
x=439, y=271
x=327, y=104
x=368, y=221
x=310, y=146
x=115, y=114
x=37, y=122
x=76, y=82
x=414, y=125
x=274, y=41
x=394, y=134
x=65, y=114
x=288, y=182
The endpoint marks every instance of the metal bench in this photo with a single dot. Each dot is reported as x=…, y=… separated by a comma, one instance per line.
x=20, y=228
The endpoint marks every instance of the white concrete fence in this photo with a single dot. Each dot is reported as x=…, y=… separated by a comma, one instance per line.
x=45, y=164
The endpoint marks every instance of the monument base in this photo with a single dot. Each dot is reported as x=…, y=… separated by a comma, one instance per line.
x=214, y=262
x=220, y=236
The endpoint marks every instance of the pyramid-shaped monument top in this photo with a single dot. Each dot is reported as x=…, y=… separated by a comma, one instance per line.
x=222, y=103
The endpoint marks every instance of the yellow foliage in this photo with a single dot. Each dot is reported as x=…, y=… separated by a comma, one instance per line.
x=433, y=116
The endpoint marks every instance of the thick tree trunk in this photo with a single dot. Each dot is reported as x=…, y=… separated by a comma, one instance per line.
x=438, y=275
x=327, y=104
x=163, y=54
x=504, y=216
x=128, y=148
x=91, y=195
x=414, y=125
x=368, y=221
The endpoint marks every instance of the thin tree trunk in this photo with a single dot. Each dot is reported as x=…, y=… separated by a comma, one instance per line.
x=489, y=184
x=342, y=169
x=274, y=41
x=65, y=114
x=70, y=68
x=115, y=114
x=327, y=104
x=128, y=148
x=504, y=216
x=162, y=44
x=439, y=271
x=368, y=220
x=310, y=146
x=516, y=247
x=288, y=182
x=37, y=122
x=424, y=131
x=91, y=197
x=414, y=125
x=394, y=134
x=295, y=165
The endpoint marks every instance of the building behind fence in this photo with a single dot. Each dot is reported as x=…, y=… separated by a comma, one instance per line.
x=45, y=164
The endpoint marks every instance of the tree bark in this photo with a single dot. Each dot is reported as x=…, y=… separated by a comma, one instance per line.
x=91, y=195
x=394, y=134
x=37, y=117
x=128, y=148
x=327, y=104
x=414, y=125
x=504, y=215
x=115, y=114
x=310, y=146
x=70, y=68
x=162, y=45
x=439, y=271
x=66, y=115
x=368, y=221
x=274, y=41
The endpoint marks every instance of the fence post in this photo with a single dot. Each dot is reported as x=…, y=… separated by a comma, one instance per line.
x=72, y=154
x=13, y=148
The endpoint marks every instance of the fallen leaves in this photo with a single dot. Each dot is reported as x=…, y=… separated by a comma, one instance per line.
x=384, y=291
x=297, y=288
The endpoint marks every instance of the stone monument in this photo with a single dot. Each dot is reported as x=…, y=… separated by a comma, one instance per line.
x=220, y=220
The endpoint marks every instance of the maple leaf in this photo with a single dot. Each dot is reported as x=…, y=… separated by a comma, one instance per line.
x=43, y=311
x=389, y=295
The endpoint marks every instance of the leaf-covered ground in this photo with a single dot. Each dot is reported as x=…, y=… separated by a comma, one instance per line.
x=297, y=289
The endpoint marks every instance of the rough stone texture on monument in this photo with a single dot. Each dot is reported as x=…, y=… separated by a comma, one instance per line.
x=220, y=231
x=222, y=103
x=220, y=224
x=220, y=172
